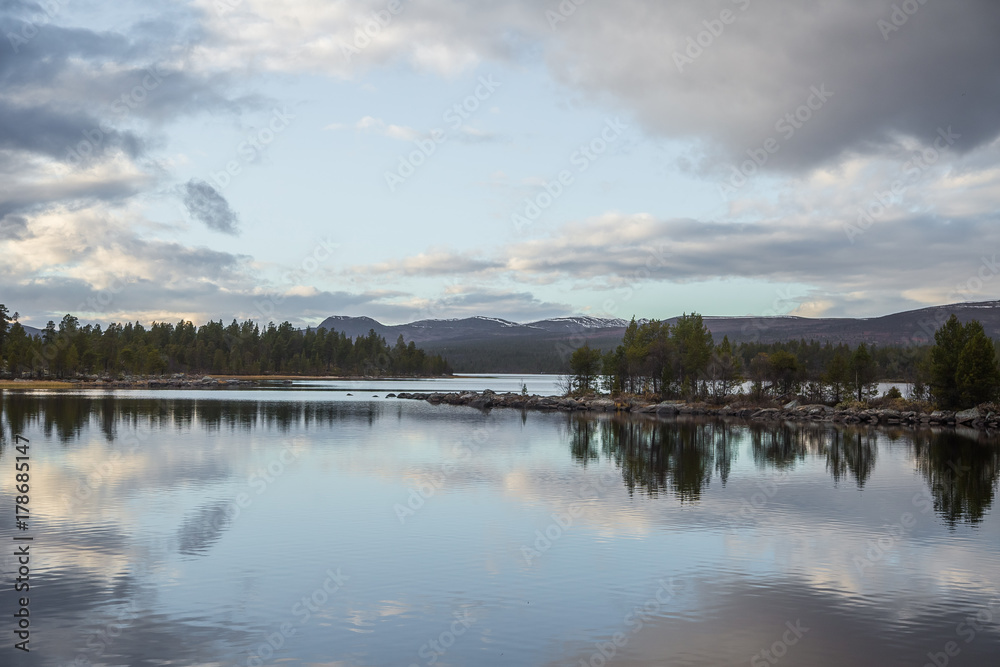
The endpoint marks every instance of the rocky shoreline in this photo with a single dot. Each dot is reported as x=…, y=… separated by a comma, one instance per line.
x=973, y=418
x=176, y=382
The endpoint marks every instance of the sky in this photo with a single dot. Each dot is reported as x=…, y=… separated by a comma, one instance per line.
x=407, y=159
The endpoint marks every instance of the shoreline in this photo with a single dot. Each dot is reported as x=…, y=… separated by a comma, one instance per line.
x=971, y=418
x=488, y=399
x=192, y=381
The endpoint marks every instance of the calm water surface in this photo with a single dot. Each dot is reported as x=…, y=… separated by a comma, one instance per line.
x=302, y=527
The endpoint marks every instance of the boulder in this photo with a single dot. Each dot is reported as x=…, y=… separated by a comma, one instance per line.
x=601, y=404
x=967, y=416
x=482, y=402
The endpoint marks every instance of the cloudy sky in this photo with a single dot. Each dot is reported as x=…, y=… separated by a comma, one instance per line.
x=411, y=159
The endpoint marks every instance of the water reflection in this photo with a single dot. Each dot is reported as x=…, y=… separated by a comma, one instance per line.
x=779, y=446
x=658, y=457
x=851, y=452
x=678, y=458
x=961, y=470
x=682, y=457
x=161, y=535
x=64, y=416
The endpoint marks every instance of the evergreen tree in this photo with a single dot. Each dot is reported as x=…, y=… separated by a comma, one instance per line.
x=837, y=374
x=725, y=369
x=783, y=372
x=863, y=373
x=949, y=341
x=585, y=364
x=693, y=343
x=976, y=375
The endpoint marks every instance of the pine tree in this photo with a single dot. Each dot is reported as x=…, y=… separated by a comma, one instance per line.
x=585, y=363
x=949, y=341
x=837, y=374
x=863, y=373
x=976, y=375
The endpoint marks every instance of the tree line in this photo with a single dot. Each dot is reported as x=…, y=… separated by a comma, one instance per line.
x=241, y=348
x=683, y=361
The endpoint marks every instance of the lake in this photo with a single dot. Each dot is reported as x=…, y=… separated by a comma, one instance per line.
x=299, y=526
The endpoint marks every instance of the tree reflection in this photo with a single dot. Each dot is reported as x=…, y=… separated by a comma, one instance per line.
x=961, y=472
x=657, y=457
x=64, y=416
x=851, y=452
x=777, y=446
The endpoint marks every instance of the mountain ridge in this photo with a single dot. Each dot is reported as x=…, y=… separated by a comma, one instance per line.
x=485, y=344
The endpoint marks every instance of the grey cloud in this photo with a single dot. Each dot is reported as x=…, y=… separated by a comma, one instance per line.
x=938, y=69
x=69, y=137
x=873, y=275
x=204, y=203
x=60, y=100
x=13, y=227
x=519, y=306
x=784, y=251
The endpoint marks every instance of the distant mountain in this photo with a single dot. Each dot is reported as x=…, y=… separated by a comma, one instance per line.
x=472, y=328
x=31, y=331
x=906, y=328
x=485, y=344
x=493, y=345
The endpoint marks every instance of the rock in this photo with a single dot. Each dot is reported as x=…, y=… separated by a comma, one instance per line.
x=666, y=408
x=602, y=404
x=392, y=396
x=791, y=405
x=966, y=416
x=482, y=402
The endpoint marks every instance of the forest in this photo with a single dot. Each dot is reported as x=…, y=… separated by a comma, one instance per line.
x=68, y=350
x=683, y=361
